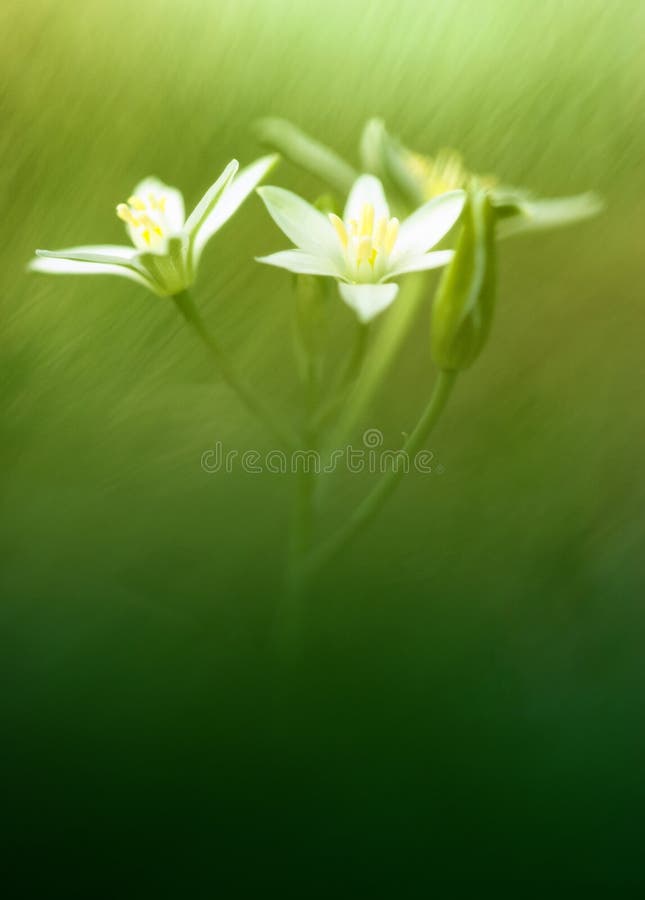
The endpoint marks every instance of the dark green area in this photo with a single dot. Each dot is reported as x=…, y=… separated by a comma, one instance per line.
x=468, y=707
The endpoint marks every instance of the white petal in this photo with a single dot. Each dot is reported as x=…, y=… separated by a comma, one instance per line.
x=301, y=262
x=421, y=263
x=302, y=223
x=368, y=300
x=199, y=215
x=366, y=189
x=118, y=254
x=541, y=214
x=174, y=210
x=231, y=199
x=62, y=266
x=425, y=227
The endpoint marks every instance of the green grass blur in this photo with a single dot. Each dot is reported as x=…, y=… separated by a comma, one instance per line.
x=469, y=703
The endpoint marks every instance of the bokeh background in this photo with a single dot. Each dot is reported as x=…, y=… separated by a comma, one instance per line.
x=468, y=704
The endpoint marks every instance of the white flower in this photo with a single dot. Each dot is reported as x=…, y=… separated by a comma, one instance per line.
x=366, y=248
x=167, y=246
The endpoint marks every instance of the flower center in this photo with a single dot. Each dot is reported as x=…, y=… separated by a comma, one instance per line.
x=366, y=244
x=444, y=173
x=146, y=218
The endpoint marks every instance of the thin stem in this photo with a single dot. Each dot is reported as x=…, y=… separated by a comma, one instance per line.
x=226, y=369
x=302, y=522
x=370, y=506
x=348, y=378
x=290, y=610
x=384, y=348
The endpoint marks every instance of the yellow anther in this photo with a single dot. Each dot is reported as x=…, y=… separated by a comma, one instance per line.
x=124, y=212
x=158, y=203
x=367, y=219
x=353, y=227
x=339, y=227
x=364, y=250
x=391, y=235
x=444, y=172
x=147, y=221
x=379, y=233
x=136, y=203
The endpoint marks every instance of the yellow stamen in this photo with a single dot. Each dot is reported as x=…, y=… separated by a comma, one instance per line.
x=158, y=203
x=125, y=214
x=391, y=235
x=136, y=203
x=364, y=249
x=145, y=217
x=148, y=222
x=379, y=233
x=367, y=219
x=364, y=240
x=339, y=227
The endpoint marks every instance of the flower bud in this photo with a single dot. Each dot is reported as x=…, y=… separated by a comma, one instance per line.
x=304, y=151
x=384, y=156
x=465, y=300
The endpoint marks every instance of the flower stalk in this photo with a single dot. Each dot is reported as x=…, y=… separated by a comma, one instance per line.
x=361, y=254
x=226, y=369
x=366, y=511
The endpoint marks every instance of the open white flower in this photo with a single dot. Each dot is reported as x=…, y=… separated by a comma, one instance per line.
x=167, y=246
x=366, y=248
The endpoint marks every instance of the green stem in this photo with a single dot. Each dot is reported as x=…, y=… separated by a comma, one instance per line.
x=226, y=369
x=385, y=346
x=367, y=510
x=289, y=615
x=348, y=378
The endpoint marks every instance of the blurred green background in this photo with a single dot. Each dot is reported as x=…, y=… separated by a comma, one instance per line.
x=468, y=707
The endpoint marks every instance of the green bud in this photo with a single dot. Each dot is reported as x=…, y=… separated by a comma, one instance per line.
x=464, y=304
x=302, y=150
x=372, y=147
x=385, y=157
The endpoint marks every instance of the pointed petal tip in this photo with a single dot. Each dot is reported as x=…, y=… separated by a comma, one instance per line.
x=49, y=254
x=265, y=189
x=270, y=160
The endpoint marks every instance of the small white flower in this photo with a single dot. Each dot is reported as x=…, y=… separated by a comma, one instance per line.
x=167, y=246
x=366, y=248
